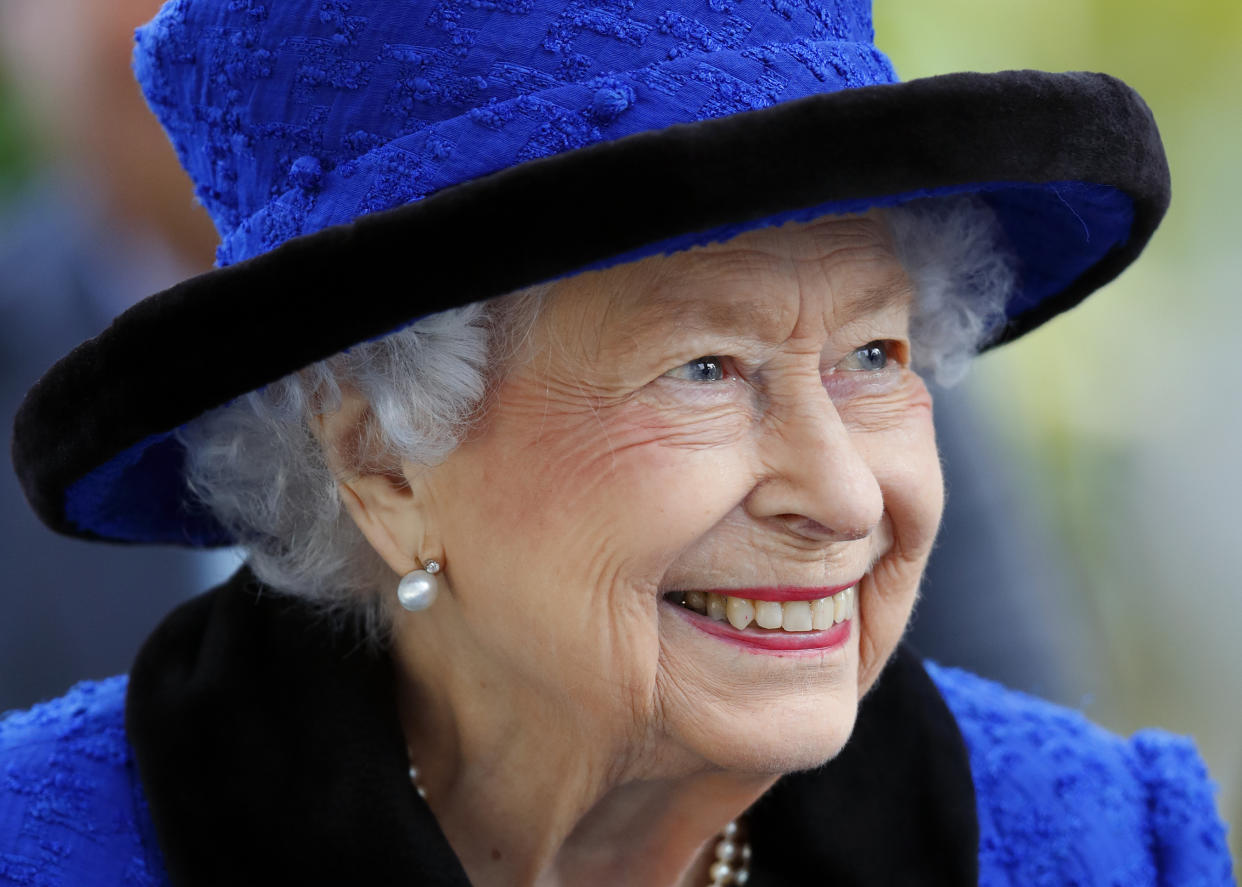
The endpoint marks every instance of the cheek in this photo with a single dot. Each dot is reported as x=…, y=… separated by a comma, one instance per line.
x=907, y=467
x=568, y=521
x=913, y=489
x=902, y=454
x=613, y=494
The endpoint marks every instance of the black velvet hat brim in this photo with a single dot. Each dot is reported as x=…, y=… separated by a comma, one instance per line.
x=93, y=446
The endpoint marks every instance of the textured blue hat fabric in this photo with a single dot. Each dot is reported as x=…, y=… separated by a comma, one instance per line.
x=474, y=147
x=291, y=117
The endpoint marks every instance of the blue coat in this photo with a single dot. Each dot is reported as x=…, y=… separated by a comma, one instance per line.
x=1056, y=800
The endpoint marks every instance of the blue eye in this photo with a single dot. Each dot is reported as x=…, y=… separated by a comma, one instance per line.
x=702, y=369
x=870, y=357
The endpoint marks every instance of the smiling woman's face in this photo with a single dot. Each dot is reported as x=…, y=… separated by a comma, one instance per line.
x=737, y=418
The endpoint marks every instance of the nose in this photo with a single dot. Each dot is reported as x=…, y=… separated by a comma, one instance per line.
x=816, y=484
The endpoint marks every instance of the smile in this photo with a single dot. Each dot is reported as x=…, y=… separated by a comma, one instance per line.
x=788, y=624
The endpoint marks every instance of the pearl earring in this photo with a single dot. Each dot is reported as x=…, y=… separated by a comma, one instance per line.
x=418, y=588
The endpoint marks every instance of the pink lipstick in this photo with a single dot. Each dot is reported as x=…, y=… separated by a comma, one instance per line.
x=782, y=592
x=789, y=624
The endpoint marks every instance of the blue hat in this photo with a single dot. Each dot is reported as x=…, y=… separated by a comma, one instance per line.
x=360, y=158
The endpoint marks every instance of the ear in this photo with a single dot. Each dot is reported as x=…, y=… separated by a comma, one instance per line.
x=383, y=499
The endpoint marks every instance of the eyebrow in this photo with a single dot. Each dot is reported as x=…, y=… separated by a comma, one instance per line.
x=897, y=289
x=762, y=317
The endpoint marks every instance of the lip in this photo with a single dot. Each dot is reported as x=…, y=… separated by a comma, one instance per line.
x=776, y=642
x=780, y=593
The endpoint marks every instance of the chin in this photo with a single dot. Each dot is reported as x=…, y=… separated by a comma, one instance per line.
x=776, y=725
x=799, y=737
x=756, y=711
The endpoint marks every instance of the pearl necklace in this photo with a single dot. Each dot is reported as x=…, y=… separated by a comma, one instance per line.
x=732, y=865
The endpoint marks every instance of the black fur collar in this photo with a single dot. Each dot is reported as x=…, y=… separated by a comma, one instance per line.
x=270, y=753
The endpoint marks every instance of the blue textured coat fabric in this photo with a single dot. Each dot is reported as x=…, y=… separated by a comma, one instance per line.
x=1060, y=801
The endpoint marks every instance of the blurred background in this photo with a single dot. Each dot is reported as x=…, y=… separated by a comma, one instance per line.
x=94, y=214
x=1118, y=426
x=1091, y=547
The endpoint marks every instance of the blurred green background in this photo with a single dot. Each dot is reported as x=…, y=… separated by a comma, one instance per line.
x=17, y=150
x=1124, y=417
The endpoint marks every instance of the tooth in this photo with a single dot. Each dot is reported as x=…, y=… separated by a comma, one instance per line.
x=697, y=601
x=716, y=606
x=769, y=614
x=741, y=612
x=838, y=606
x=852, y=607
x=797, y=615
x=821, y=613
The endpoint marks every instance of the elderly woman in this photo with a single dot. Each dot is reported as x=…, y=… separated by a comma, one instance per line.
x=583, y=459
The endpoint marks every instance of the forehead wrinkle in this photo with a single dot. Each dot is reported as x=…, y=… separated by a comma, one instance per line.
x=730, y=293
x=767, y=313
x=743, y=291
x=895, y=290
